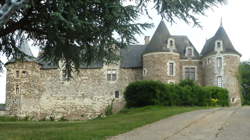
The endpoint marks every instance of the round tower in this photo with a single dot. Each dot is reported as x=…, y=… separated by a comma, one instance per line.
x=22, y=79
x=220, y=65
x=161, y=61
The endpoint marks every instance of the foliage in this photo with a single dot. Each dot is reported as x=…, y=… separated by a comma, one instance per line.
x=217, y=95
x=186, y=93
x=142, y=93
x=245, y=81
x=98, y=129
x=78, y=31
x=109, y=109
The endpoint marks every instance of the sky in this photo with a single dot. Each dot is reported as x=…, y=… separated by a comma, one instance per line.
x=234, y=15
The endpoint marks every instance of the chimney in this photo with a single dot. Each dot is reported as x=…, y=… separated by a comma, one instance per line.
x=146, y=39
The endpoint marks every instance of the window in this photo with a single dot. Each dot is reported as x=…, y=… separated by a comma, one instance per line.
x=171, y=43
x=219, y=62
x=17, y=89
x=25, y=73
x=111, y=75
x=218, y=46
x=145, y=72
x=189, y=51
x=171, y=68
x=190, y=73
x=17, y=74
x=219, y=81
x=117, y=94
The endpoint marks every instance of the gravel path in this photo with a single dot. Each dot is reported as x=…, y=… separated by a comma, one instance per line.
x=214, y=124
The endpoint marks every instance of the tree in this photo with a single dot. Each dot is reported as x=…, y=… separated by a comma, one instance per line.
x=82, y=31
x=245, y=81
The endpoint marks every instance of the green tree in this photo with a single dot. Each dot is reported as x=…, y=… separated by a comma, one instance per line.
x=245, y=81
x=82, y=31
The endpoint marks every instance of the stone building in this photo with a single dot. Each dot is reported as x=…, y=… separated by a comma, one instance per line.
x=36, y=88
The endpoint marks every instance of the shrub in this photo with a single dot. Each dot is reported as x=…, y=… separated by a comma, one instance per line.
x=186, y=93
x=142, y=93
x=219, y=94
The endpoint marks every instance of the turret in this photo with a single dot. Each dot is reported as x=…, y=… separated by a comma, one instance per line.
x=160, y=58
x=21, y=75
x=220, y=64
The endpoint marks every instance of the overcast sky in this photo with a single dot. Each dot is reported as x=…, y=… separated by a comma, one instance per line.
x=235, y=21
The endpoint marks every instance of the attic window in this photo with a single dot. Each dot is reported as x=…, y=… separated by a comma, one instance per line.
x=189, y=51
x=171, y=43
x=218, y=46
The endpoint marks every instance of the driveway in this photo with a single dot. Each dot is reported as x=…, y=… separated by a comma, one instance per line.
x=213, y=124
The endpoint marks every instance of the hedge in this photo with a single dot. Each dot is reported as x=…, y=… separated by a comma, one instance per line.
x=186, y=93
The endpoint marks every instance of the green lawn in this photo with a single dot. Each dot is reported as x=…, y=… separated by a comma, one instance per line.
x=96, y=129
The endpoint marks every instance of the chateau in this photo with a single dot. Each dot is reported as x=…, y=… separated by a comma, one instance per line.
x=36, y=88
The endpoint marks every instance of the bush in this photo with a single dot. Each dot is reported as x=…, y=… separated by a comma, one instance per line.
x=142, y=93
x=219, y=94
x=186, y=93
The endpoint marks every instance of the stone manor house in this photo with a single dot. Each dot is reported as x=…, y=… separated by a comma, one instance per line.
x=36, y=89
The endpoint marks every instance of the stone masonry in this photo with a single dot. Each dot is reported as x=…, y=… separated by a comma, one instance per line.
x=36, y=88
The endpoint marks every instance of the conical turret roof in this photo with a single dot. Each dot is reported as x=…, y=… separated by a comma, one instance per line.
x=159, y=39
x=24, y=48
x=209, y=47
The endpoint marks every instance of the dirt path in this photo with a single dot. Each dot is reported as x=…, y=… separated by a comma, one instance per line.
x=214, y=124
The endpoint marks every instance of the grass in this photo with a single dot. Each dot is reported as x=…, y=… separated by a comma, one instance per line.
x=97, y=129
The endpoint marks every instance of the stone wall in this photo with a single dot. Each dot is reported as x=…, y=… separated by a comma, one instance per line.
x=155, y=66
x=229, y=72
x=44, y=94
x=231, y=81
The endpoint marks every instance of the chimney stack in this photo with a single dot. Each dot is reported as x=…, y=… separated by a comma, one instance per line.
x=146, y=39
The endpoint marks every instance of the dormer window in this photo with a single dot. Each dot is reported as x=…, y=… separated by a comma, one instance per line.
x=218, y=46
x=189, y=52
x=171, y=44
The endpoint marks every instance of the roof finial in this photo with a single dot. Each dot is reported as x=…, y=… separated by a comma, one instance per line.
x=221, y=22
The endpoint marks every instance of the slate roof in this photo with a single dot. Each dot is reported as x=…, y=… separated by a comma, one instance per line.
x=131, y=57
x=158, y=41
x=181, y=43
x=221, y=34
x=24, y=47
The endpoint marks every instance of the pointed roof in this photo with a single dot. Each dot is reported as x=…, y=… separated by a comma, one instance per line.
x=221, y=34
x=24, y=48
x=159, y=39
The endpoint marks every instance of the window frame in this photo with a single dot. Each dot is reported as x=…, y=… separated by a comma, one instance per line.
x=195, y=72
x=219, y=62
x=112, y=73
x=187, y=51
x=173, y=73
x=218, y=48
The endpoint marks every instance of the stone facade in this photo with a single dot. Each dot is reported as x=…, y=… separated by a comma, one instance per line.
x=39, y=91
